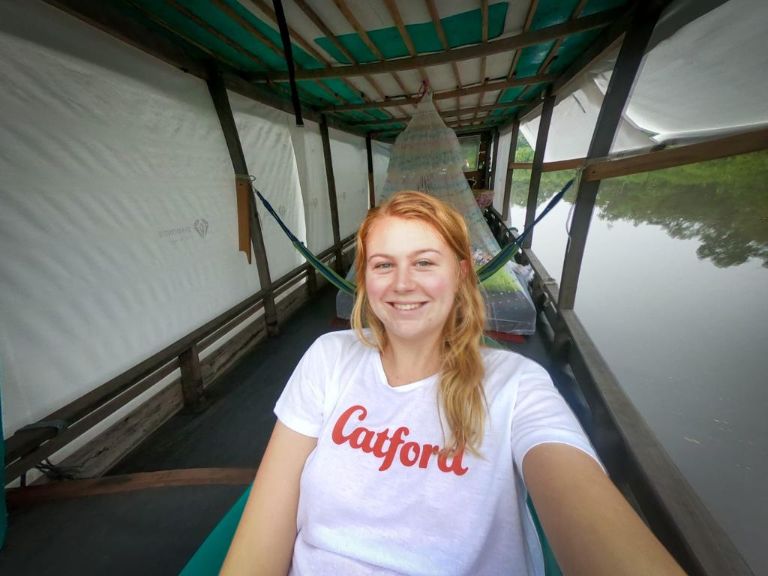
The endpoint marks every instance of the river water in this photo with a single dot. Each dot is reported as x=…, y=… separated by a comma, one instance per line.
x=688, y=340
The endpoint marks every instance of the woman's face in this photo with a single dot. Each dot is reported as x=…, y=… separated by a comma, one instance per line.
x=411, y=278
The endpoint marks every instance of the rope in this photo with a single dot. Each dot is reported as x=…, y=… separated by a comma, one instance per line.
x=340, y=283
x=494, y=265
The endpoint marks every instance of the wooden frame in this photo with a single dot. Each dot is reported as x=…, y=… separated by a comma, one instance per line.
x=523, y=40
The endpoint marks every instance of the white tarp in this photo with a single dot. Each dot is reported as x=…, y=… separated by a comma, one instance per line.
x=350, y=170
x=118, y=220
x=501, y=172
x=308, y=147
x=381, y=152
x=706, y=78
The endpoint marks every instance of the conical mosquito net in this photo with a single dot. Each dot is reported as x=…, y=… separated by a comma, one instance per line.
x=427, y=157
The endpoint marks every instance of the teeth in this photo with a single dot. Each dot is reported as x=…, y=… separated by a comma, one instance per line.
x=406, y=306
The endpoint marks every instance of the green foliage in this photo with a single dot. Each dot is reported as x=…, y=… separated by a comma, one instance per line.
x=721, y=203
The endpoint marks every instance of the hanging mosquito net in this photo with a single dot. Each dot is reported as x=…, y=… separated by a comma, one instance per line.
x=427, y=157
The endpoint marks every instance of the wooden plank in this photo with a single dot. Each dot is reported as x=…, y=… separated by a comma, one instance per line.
x=435, y=16
x=301, y=41
x=350, y=18
x=31, y=495
x=242, y=192
x=538, y=160
x=744, y=143
x=191, y=379
x=331, y=181
x=523, y=40
x=619, y=88
x=323, y=27
x=494, y=158
x=104, y=451
x=369, y=155
x=510, y=171
x=443, y=95
x=218, y=92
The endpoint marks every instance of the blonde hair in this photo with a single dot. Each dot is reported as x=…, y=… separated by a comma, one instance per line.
x=461, y=365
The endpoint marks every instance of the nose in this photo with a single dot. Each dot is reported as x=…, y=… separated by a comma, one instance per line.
x=403, y=279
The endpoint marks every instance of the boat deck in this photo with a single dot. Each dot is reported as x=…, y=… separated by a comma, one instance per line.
x=156, y=526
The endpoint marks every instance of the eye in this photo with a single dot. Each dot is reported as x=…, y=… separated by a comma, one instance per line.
x=424, y=263
x=382, y=266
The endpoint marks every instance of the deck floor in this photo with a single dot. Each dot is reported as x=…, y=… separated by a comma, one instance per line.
x=155, y=531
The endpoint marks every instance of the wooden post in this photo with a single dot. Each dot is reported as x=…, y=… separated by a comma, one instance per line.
x=192, y=379
x=623, y=77
x=510, y=170
x=220, y=98
x=338, y=264
x=494, y=159
x=371, y=191
x=538, y=160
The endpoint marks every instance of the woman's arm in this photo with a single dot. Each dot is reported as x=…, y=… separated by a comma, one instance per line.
x=263, y=543
x=591, y=527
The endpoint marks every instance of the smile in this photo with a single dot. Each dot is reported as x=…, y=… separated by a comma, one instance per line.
x=406, y=306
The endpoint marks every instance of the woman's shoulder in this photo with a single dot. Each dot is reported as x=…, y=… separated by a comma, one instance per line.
x=337, y=342
x=505, y=367
x=507, y=360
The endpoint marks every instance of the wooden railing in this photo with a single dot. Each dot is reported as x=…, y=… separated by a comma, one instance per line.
x=635, y=459
x=32, y=444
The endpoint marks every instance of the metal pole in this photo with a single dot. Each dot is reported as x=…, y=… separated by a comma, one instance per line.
x=369, y=153
x=220, y=98
x=288, y=52
x=508, y=180
x=619, y=88
x=338, y=264
x=538, y=161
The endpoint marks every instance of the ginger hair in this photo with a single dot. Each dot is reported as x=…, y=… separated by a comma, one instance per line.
x=460, y=396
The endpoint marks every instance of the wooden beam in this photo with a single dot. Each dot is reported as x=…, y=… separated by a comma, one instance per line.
x=183, y=10
x=445, y=94
x=301, y=41
x=323, y=27
x=444, y=43
x=192, y=379
x=744, y=143
x=350, y=17
x=510, y=171
x=218, y=92
x=331, y=181
x=529, y=38
x=483, y=63
x=552, y=54
x=119, y=484
x=605, y=43
x=538, y=160
x=619, y=88
x=369, y=155
x=394, y=12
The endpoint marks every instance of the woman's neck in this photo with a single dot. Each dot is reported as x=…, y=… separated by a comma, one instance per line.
x=408, y=362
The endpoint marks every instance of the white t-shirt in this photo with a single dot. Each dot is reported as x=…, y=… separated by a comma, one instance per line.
x=376, y=498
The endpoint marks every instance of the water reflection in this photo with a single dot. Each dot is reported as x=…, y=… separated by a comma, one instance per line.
x=722, y=204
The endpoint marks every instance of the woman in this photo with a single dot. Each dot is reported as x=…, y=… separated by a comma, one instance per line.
x=407, y=448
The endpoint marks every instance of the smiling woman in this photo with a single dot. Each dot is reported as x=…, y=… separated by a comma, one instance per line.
x=386, y=431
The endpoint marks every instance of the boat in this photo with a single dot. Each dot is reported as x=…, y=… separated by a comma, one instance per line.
x=153, y=310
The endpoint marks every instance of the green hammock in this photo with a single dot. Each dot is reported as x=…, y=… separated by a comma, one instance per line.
x=483, y=273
